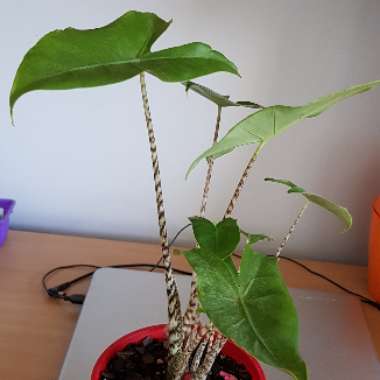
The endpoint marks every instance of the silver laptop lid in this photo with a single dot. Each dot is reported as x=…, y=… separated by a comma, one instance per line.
x=335, y=341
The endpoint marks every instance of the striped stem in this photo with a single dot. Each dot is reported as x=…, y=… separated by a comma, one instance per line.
x=198, y=354
x=197, y=334
x=215, y=345
x=191, y=315
x=291, y=229
x=174, y=307
x=242, y=181
x=210, y=161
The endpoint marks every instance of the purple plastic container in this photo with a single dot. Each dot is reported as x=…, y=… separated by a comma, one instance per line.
x=7, y=205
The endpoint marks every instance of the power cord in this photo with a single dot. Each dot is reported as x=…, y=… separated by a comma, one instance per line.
x=59, y=291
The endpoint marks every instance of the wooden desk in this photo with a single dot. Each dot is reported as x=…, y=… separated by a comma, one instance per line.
x=35, y=331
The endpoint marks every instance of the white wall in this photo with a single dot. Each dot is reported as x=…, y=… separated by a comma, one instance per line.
x=78, y=161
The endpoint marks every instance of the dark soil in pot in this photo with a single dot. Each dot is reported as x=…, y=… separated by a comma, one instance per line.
x=148, y=361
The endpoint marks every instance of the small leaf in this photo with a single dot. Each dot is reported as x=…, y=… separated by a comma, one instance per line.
x=252, y=308
x=261, y=126
x=340, y=212
x=220, y=239
x=228, y=237
x=254, y=238
x=72, y=58
x=293, y=187
x=204, y=232
x=248, y=104
x=218, y=99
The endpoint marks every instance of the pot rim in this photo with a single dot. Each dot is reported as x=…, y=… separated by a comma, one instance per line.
x=160, y=332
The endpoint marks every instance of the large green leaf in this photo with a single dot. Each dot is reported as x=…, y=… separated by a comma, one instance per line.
x=72, y=58
x=218, y=99
x=253, y=307
x=261, y=126
x=340, y=212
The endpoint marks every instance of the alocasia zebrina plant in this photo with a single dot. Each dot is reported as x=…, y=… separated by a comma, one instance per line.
x=248, y=303
x=71, y=58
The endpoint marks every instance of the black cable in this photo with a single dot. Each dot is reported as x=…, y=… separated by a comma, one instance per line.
x=170, y=244
x=363, y=299
x=59, y=291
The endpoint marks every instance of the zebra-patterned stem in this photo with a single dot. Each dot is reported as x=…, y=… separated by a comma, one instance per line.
x=174, y=307
x=191, y=343
x=191, y=315
x=210, y=161
x=199, y=352
x=291, y=229
x=215, y=345
x=241, y=183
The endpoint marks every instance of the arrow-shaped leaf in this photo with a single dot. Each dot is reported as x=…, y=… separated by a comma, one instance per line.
x=253, y=307
x=220, y=239
x=261, y=126
x=72, y=58
x=218, y=99
x=340, y=212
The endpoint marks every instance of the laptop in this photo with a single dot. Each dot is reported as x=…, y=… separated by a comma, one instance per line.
x=335, y=341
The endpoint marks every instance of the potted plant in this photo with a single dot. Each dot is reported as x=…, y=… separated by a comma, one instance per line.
x=250, y=311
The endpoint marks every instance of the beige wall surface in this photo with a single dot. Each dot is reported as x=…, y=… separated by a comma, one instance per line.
x=78, y=161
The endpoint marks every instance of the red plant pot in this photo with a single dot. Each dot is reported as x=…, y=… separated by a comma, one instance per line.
x=159, y=332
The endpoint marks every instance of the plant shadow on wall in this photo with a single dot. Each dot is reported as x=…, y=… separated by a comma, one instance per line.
x=249, y=303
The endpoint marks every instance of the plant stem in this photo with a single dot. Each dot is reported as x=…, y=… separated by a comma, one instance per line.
x=191, y=343
x=210, y=161
x=242, y=181
x=215, y=345
x=291, y=229
x=191, y=315
x=174, y=307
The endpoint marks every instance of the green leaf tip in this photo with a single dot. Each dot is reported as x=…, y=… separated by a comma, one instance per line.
x=262, y=126
x=340, y=212
x=73, y=58
x=254, y=238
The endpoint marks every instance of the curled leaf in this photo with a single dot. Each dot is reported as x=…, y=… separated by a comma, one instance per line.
x=340, y=212
x=218, y=99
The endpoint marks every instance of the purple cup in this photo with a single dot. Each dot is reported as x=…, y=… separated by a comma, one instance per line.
x=7, y=205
